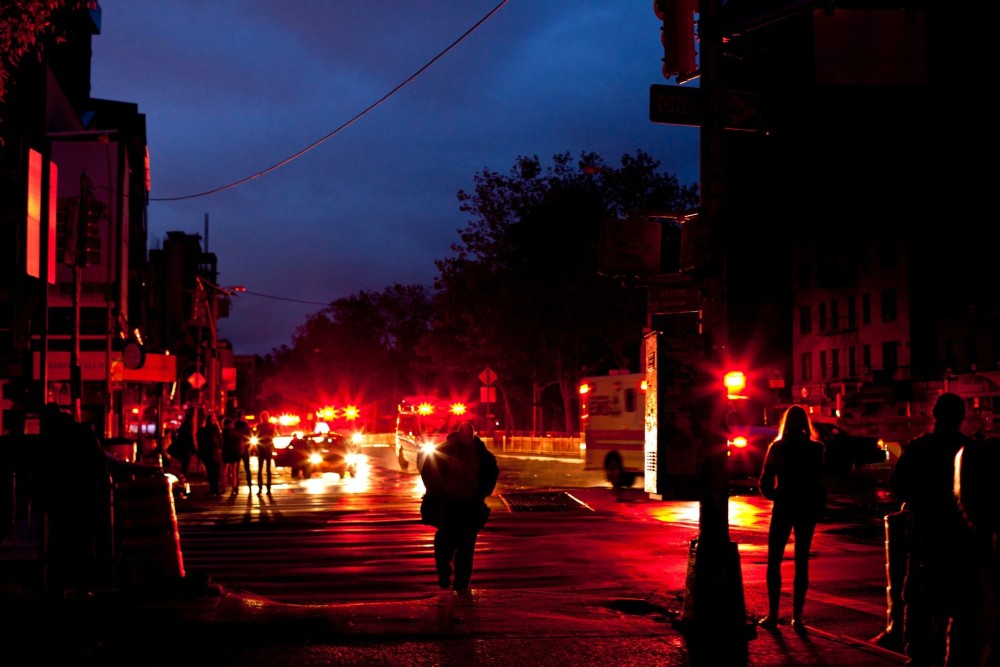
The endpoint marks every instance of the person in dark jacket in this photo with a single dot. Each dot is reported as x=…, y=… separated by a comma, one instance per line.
x=935, y=630
x=458, y=476
x=265, y=433
x=792, y=477
x=244, y=433
x=208, y=437
x=975, y=488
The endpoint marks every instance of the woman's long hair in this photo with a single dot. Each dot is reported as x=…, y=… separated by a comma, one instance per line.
x=795, y=423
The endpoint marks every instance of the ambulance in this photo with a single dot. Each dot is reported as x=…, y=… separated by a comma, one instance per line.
x=612, y=421
x=422, y=422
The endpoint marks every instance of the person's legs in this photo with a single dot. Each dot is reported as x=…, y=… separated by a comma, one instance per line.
x=777, y=537
x=246, y=470
x=444, y=549
x=260, y=471
x=464, y=552
x=268, y=463
x=804, y=529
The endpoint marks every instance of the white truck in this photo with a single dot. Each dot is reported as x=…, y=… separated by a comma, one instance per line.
x=612, y=414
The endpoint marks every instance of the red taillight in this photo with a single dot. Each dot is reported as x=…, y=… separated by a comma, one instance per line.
x=584, y=388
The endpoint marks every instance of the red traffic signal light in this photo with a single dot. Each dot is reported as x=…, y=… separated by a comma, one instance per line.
x=676, y=35
x=736, y=384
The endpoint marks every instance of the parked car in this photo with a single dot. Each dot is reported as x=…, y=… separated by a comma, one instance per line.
x=845, y=451
x=322, y=452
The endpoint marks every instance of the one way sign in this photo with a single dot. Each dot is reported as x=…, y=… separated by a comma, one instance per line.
x=677, y=105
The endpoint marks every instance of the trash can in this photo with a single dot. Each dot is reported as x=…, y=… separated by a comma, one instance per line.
x=148, y=548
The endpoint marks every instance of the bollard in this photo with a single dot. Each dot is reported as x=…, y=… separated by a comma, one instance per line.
x=146, y=534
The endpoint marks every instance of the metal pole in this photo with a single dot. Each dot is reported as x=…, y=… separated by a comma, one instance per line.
x=714, y=603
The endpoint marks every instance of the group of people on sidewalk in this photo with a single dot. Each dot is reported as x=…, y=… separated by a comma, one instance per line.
x=224, y=448
x=947, y=611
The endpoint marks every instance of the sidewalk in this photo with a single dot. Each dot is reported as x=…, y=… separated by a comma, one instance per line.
x=202, y=624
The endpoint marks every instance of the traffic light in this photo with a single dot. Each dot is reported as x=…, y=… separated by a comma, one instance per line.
x=676, y=35
x=736, y=384
x=89, y=235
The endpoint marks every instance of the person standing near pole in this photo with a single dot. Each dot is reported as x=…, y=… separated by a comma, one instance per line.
x=792, y=477
x=935, y=630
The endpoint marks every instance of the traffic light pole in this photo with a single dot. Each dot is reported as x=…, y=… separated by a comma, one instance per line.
x=714, y=605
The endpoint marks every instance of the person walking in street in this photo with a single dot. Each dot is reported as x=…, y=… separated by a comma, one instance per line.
x=243, y=430
x=231, y=455
x=458, y=477
x=792, y=477
x=937, y=582
x=265, y=433
x=209, y=441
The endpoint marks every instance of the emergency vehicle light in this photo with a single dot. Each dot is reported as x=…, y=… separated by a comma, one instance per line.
x=425, y=409
x=458, y=408
x=584, y=388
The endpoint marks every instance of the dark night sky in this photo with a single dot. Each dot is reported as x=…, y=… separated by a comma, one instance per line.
x=232, y=88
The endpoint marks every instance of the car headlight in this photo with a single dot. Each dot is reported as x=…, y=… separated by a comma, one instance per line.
x=427, y=448
x=357, y=438
x=315, y=458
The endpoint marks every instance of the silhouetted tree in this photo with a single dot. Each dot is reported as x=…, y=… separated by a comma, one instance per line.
x=523, y=294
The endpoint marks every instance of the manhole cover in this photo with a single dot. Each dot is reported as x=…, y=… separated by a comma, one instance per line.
x=541, y=501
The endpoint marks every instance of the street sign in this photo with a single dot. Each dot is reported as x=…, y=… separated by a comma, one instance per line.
x=197, y=380
x=677, y=105
x=488, y=376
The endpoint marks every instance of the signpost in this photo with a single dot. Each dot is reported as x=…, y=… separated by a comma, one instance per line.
x=677, y=105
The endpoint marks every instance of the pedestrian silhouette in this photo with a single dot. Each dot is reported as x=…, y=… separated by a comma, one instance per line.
x=936, y=626
x=265, y=433
x=209, y=441
x=183, y=446
x=232, y=448
x=458, y=477
x=792, y=477
x=975, y=488
x=242, y=428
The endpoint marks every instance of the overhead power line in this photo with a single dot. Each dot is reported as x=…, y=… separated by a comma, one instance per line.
x=344, y=125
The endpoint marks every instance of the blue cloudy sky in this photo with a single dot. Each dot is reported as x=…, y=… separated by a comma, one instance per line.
x=232, y=88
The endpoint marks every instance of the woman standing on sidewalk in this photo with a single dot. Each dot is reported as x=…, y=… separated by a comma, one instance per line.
x=793, y=478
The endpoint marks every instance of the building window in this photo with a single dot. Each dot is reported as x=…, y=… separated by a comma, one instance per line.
x=889, y=304
x=834, y=315
x=866, y=358
x=890, y=362
x=807, y=367
x=822, y=364
x=834, y=364
x=822, y=317
x=866, y=308
x=852, y=363
x=805, y=320
x=852, y=312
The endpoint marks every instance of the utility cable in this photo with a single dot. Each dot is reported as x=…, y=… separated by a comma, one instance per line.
x=344, y=125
